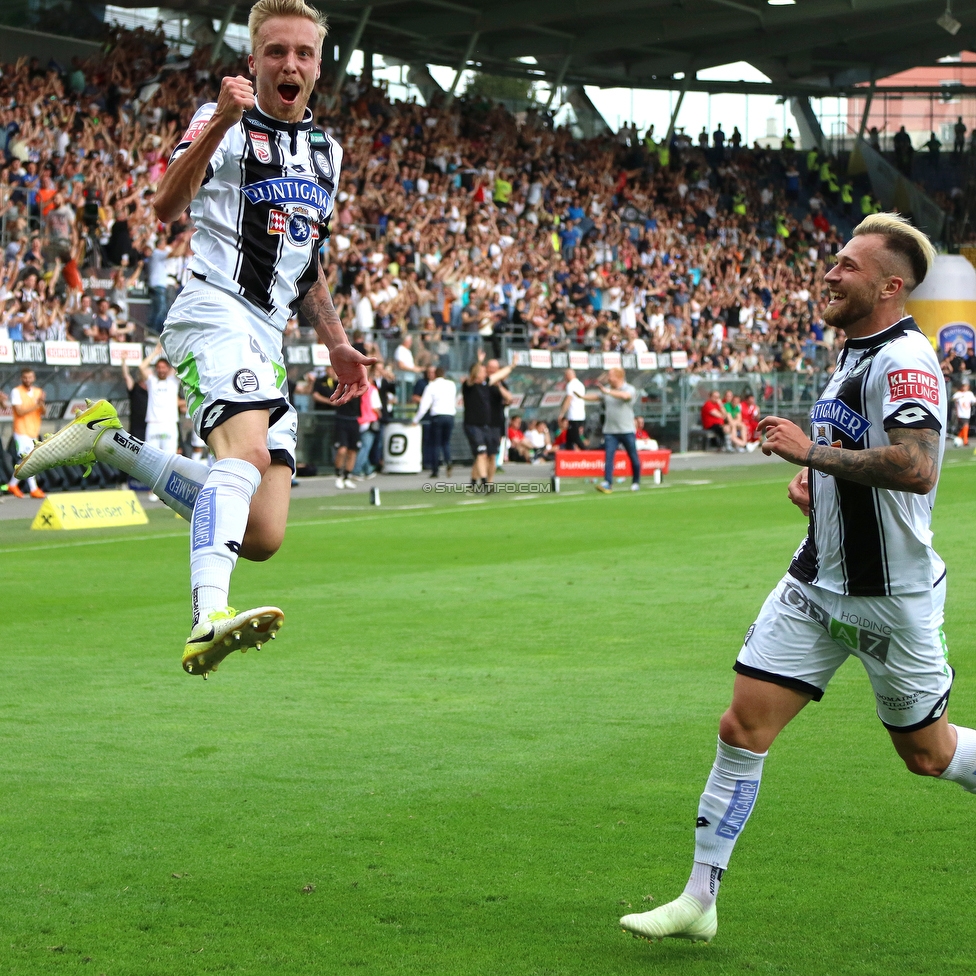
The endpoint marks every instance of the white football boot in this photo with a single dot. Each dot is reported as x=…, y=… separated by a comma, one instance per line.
x=683, y=918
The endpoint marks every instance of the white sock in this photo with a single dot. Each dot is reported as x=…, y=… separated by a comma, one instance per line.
x=724, y=808
x=217, y=530
x=704, y=882
x=175, y=480
x=962, y=769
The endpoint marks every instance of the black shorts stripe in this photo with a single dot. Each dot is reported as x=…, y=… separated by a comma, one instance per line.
x=795, y=684
x=938, y=710
x=230, y=408
x=281, y=456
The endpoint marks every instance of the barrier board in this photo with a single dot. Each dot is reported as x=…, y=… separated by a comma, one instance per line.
x=90, y=510
x=589, y=464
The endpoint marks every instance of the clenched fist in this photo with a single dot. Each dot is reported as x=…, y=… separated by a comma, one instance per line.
x=235, y=98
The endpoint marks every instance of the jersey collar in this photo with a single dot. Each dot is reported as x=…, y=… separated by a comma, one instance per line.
x=906, y=324
x=306, y=122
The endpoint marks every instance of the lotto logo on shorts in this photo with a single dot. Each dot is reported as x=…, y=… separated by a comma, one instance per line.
x=913, y=384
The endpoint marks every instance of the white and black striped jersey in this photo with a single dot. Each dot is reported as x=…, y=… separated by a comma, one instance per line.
x=265, y=203
x=867, y=541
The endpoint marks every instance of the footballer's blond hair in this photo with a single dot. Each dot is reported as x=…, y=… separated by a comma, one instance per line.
x=902, y=240
x=264, y=10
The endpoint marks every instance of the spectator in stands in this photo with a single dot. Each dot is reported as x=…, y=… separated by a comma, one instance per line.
x=138, y=401
x=347, y=441
x=439, y=402
x=539, y=438
x=369, y=427
x=573, y=410
x=416, y=396
x=750, y=420
x=963, y=400
x=619, y=400
x=714, y=420
x=518, y=447
x=27, y=403
x=403, y=357
x=644, y=440
x=102, y=322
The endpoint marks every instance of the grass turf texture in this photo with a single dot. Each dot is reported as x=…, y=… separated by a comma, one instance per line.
x=479, y=740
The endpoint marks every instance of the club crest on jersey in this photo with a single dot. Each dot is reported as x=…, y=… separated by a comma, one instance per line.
x=322, y=163
x=297, y=226
x=261, y=147
x=842, y=417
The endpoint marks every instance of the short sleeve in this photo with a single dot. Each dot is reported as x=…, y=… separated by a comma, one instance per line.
x=15, y=399
x=198, y=123
x=913, y=395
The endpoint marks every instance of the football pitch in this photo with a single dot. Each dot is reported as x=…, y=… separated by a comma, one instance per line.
x=479, y=739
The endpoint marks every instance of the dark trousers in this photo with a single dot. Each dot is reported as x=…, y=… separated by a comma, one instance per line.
x=629, y=443
x=441, y=428
x=158, y=307
x=427, y=444
x=718, y=432
x=574, y=435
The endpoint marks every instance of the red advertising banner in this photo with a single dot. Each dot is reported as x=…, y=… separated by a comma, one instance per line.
x=589, y=464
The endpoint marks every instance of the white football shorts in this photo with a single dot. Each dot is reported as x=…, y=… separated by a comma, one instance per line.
x=164, y=437
x=23, y=444
x=804, y=633
x=228, y=358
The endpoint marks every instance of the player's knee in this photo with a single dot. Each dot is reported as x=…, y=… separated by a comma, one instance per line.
x=257, y=455
x=258, y=547
x=924, y=764
x=734, y=730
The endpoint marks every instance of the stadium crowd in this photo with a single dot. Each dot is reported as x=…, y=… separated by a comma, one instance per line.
x=462, y=220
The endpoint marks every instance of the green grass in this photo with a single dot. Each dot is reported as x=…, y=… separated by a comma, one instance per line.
x=481, y=737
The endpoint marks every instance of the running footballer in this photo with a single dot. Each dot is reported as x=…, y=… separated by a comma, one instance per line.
x=866, y=580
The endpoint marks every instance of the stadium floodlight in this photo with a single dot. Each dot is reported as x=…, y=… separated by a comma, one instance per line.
x=947, y=22
x=781, y=3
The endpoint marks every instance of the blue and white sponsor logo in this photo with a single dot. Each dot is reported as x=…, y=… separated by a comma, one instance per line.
x=959, y=336
x=182, y=489
x=841, y=416
x=204, y=519
x=290, y=189
x=743, y=797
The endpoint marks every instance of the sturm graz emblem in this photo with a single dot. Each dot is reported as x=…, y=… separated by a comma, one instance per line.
x=322, y=163
x=245, y=381
x=298, y=230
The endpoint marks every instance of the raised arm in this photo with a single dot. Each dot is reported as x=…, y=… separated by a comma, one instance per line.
x=185, y=176
x=909, y=463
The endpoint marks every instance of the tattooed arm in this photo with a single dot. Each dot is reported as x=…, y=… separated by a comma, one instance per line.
x=909, y=463
x=349, y=365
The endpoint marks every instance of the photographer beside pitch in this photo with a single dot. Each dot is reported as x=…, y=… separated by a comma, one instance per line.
x=260, y=180
x=866, y=580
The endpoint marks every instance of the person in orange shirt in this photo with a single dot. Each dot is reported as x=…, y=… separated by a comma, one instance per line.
x=27, y=403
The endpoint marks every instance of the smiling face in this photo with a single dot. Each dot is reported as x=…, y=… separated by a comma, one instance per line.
x=859, y=281
x=286, y=63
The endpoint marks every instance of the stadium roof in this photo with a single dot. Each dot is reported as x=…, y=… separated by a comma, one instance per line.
x=810, y=47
